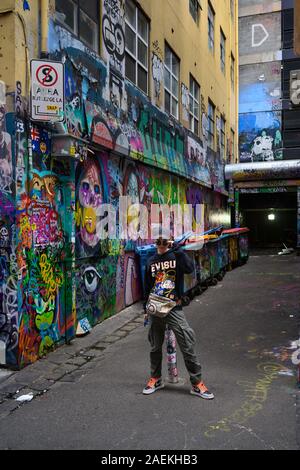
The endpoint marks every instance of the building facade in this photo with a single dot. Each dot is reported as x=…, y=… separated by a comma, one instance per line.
x=266, y=179
x=150, y=112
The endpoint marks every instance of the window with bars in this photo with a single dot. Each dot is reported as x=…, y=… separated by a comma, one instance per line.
x=222, y=50
x=211, y=27
x=80, y=17
x=232, y=71
x=194, y=96
x=137, y=46
x=211, y=124
x=223, y=137
x=195, y=10
x=172, y=64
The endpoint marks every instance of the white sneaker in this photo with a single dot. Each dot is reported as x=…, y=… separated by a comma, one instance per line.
x=200, y=390
x=153, y=385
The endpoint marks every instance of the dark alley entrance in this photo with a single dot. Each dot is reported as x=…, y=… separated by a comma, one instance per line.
x=271, y=218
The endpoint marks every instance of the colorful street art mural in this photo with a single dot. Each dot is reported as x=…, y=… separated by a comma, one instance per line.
x=260, y=93
x=134, y=127
x=9, y=316
x=57, y=271
x=42, y=254
x=108, y=273
x=260, y=137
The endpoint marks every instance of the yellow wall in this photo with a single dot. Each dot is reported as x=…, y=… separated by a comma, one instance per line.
x=7, y=51
x=19, y=44
x=171, y=21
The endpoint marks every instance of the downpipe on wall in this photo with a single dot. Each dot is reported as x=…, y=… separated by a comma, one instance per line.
x=44, y=18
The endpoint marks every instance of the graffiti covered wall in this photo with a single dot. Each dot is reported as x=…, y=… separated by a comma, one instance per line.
x=134, y=127
x=260, y=137
x=260, y=35
x=8, y=258
x=260, y=99
x=44, y=248
x=260, y=119
x=56, y=270
x=260, y=87
x=108, y=271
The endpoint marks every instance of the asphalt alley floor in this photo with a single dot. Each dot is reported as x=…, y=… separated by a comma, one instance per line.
x=88, y=395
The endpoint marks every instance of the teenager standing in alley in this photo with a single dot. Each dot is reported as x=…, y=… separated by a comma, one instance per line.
x=164, y=280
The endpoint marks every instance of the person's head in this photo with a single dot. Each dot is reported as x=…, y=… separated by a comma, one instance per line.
x=162, y=237
x=163, y=245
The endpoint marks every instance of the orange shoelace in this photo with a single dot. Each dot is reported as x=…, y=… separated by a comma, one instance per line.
x=202, y=387
x=152, y=382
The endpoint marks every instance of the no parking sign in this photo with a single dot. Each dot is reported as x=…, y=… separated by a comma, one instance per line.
x=47, y=90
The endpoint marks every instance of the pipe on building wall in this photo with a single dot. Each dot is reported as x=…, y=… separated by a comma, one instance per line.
x=44, y=9
x=263, y=170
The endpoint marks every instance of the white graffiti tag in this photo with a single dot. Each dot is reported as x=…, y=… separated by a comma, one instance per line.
x=157, y=74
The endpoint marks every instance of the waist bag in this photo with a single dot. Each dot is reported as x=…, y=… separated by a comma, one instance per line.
x=159, y=306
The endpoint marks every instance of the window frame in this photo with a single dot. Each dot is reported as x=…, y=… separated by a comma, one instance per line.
x=192, y=100
x=135, y=31
x=222, y=51
x=222, y=138
x=211, y=16
x=172, y=76
x=194, y=9
x=211, y=132
x=76, y=30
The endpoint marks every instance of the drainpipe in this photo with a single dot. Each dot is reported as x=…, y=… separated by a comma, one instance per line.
x=237, y=74
x=44, y=9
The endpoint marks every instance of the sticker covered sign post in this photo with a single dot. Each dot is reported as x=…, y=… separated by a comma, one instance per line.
x=47, y=90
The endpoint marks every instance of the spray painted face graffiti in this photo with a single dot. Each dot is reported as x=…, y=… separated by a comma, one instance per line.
x=131, y=189
x=90, y=198
x=262, y=148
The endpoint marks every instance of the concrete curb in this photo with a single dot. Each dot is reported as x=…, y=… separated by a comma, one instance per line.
x=69, y=362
